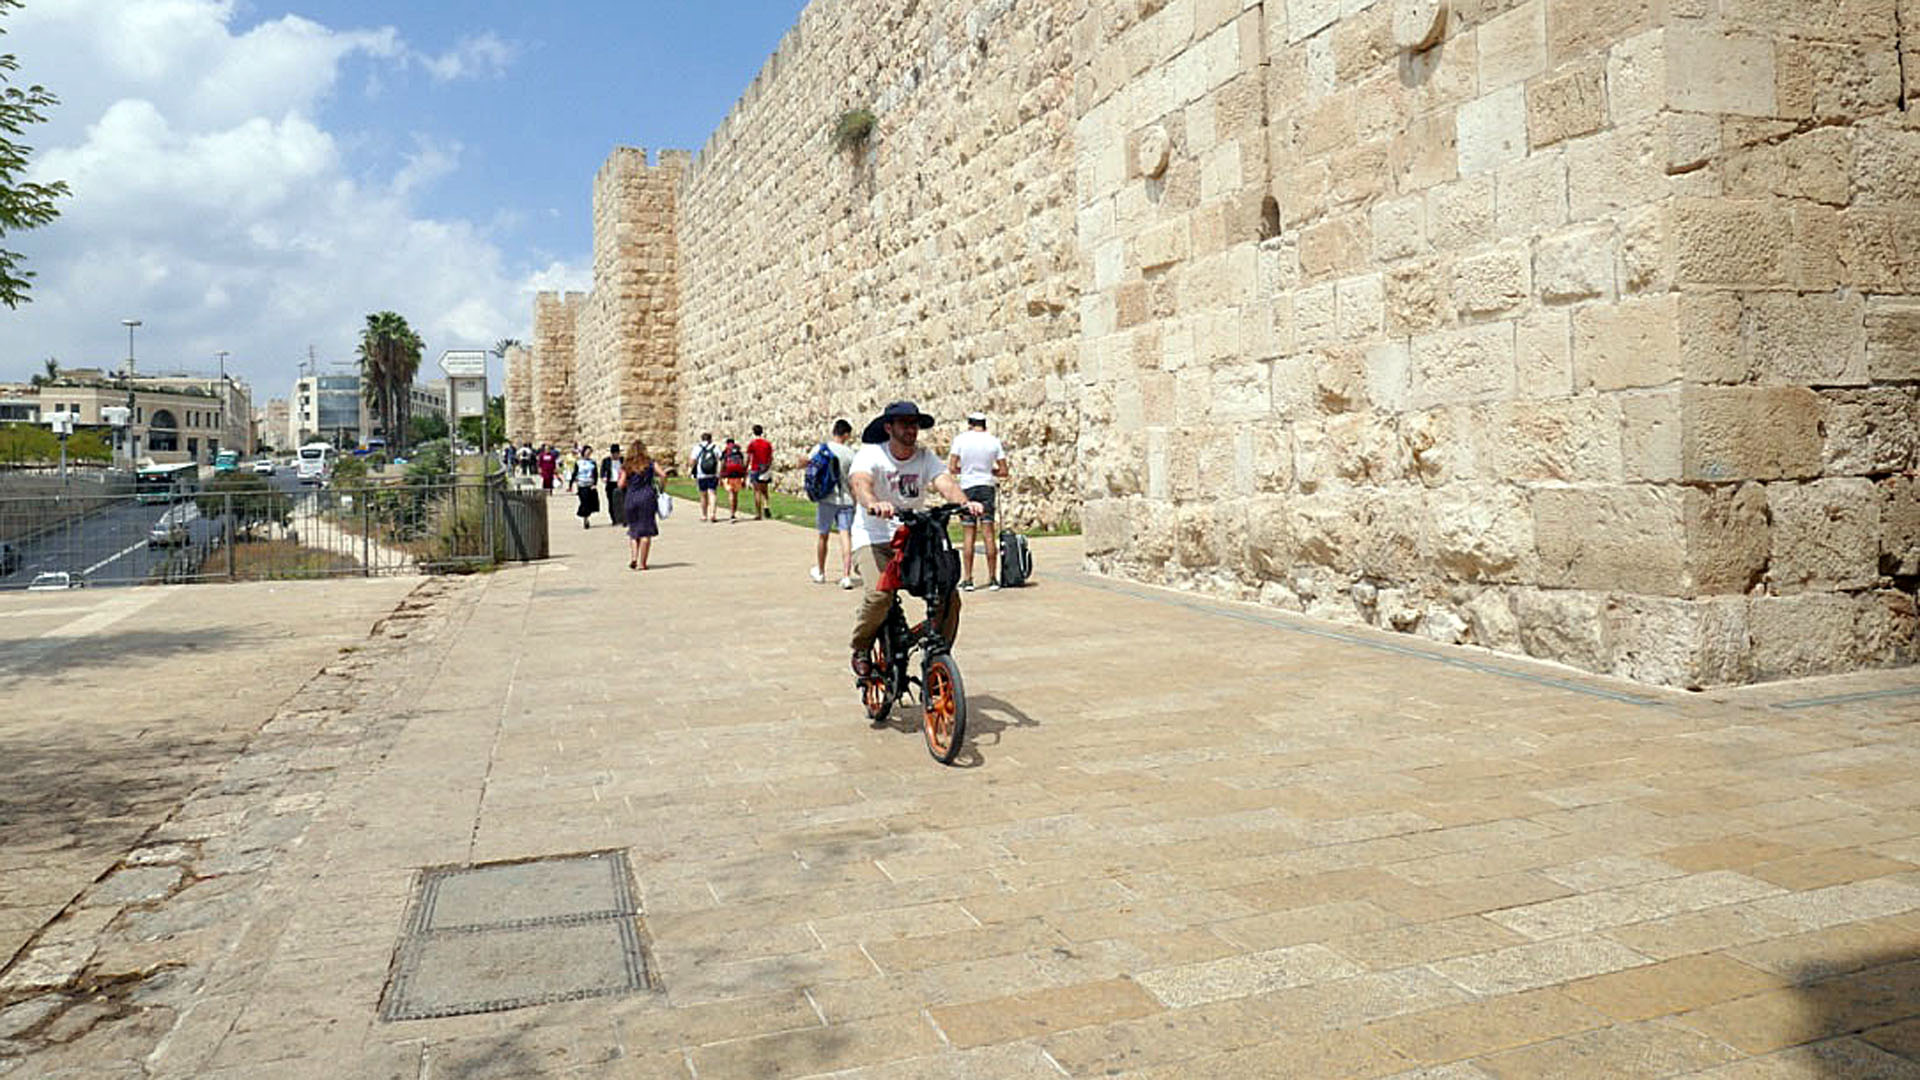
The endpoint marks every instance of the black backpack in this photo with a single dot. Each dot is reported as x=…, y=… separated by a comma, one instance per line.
x=930, y=566
x=708, y=463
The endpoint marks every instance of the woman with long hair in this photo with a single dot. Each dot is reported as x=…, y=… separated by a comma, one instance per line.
x=641, y=503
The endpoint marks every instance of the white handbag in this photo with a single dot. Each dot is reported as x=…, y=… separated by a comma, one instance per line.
x=666, y=506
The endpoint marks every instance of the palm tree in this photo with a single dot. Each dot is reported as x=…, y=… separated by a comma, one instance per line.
x=389, y=359
x=52, y=375
x=500, y=347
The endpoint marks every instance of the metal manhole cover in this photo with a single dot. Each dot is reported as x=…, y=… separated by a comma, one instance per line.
x=507, y=935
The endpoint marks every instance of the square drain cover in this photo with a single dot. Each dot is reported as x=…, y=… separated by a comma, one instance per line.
x=506, y=935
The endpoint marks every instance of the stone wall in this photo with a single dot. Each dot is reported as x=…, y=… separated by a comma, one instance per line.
x=519, y=378
x=626, y=354
x=555, y=320
x=1579, y=328
x=1582, y=329
x=935, y=262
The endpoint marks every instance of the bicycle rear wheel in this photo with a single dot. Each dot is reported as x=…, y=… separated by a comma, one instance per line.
x=876, y=690
x=945, y=698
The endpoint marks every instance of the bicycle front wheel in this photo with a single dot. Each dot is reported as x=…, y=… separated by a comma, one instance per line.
x=876, y=690
x=946, y=707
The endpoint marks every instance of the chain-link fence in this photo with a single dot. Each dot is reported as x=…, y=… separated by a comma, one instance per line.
x=264, y=530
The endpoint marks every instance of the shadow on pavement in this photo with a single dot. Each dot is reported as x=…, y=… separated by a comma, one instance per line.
x=65, y=789
x=51, y=656
x=988, y=718
x=1875, y=998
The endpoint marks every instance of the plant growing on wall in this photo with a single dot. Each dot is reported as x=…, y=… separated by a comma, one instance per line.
x=852, y=130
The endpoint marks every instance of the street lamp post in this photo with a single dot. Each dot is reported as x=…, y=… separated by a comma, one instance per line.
x=225, y=405
x=130, y=324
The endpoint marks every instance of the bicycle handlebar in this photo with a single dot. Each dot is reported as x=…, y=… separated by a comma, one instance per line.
x=937, y=515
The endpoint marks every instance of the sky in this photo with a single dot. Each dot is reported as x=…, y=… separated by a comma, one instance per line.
x=259, y=177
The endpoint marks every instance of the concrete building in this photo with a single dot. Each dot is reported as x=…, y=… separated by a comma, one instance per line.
x=1581, y=329
x=271, y=426
x=331, y=408
x=171, y=423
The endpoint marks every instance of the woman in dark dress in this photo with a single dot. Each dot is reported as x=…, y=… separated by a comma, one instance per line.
x=641, y=504
x=582, y=481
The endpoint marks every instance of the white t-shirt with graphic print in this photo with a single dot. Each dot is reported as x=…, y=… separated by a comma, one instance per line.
x=905, y=484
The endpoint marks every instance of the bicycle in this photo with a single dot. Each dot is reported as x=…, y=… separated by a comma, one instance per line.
x=943, y=696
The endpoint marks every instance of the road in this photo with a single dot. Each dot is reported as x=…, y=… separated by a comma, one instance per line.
x=110, y=546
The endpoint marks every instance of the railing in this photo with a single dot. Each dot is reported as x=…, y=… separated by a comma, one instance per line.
x=260, y=529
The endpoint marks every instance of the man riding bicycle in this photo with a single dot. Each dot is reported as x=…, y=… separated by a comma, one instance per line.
x=892, y=472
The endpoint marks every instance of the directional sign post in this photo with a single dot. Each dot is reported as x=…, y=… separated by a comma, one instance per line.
x=467, y=396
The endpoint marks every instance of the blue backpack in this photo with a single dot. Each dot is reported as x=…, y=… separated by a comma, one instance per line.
x=823, y=473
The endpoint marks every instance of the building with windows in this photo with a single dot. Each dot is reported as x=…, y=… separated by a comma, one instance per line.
x=270, y=425
x=331, y=408
x=171, y=420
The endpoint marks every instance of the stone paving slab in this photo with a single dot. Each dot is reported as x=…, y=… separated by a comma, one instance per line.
x=1187, y=838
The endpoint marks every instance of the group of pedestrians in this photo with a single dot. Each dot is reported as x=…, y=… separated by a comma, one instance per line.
x=712, y=465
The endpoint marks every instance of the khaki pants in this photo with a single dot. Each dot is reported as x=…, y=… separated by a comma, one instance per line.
x=870, y=562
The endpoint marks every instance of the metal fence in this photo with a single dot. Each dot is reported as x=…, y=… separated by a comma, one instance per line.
x=272, y=531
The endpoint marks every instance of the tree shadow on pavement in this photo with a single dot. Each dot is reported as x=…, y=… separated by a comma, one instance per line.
x=65, y=789
x=42, y=657
x=1861, y=1015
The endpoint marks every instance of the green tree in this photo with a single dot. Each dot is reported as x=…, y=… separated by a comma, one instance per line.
x=389, y=360
x=252, y=499
x=496, y=423
x=500, y=347
x=23, y=205
x=426, y=427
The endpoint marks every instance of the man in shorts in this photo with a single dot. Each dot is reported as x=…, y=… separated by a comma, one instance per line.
x=980, y=462
x=760, y=472
x=892, y=472
x=733, y=473
x=703, y=464
x=835, y=512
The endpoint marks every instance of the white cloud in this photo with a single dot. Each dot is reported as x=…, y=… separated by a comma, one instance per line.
x=211, y=202
x=484, y=56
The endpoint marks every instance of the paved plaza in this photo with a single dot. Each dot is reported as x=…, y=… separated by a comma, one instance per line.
x=249, y=831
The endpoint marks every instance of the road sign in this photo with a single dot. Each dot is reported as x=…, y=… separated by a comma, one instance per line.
x=469, y=395
x=464, y=363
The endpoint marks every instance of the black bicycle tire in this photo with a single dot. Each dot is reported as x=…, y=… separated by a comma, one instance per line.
x=877, y=713
x=957, y=737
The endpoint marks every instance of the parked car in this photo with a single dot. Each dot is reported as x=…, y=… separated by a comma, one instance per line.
x=265, y=467
x=9, y=559
x=55, y=581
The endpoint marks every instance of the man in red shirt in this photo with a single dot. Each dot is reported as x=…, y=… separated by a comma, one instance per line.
x=760, y=472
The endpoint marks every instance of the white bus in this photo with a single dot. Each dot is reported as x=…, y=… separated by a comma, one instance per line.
x=315, y=463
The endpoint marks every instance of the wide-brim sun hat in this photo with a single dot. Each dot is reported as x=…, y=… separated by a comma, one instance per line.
x=876, y=430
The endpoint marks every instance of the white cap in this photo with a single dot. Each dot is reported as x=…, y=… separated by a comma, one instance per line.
x=976, y=418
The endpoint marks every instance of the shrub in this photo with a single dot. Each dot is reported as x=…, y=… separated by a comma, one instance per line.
x=853, y=129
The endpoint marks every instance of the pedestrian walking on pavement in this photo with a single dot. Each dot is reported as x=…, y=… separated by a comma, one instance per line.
x=760, y=472
x=733, y=472
x=568, y=459
x=611, y=467
x=703, y=462
x=833, y=509
x=641, y=505
x=582, y=480
x=548, y=460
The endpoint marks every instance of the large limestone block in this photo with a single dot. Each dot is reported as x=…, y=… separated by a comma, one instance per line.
x=1328, y=528
x=1474, y=363
x=1818, y=340
x=1461, y=214
x=1729, y=538
x=1625, y=538
x=1637, y=77
x=1481, y=532
x=1751, y=433
x=1270, y=548
x=1633, y=343
x=1877, y=249
x=1493, y=130
x=1543, y=354
x=1576, y=265
x=1492, y=283
x=1582, y=28
x=1567, y=106
x=1439, y=446
x=1871, y=431
x=1826, y=535
x=1399, y=228
x=1886, y=166
x=1818, y=165
x=1736, y=243
x=1651, y=438
x=1513, y=46
x=1714, y=70
x=1390, y=544
x=1893, y=339
x=1530, y=195
x=1567, y=440
x=1900, y=527
x=1823, y=633
x=1679, y=643
x=1562, y=626
x=1417, y=298
x=1713, y=338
